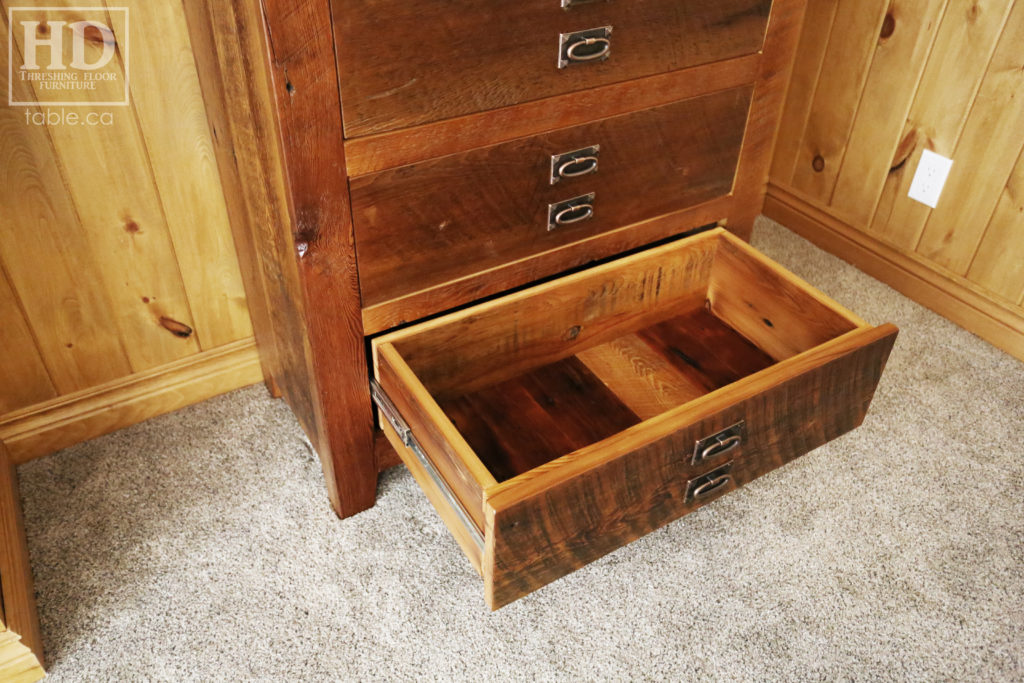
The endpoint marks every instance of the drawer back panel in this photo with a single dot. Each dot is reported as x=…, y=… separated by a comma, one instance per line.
x=407, y=63
x=429, y=223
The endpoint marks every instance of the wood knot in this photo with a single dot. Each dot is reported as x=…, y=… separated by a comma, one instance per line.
x=178, y=329
x=818, y=164
x=888, y=26
x=131, y=227
x=572, y=333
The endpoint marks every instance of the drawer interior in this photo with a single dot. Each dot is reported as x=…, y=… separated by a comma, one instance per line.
x=557, y=368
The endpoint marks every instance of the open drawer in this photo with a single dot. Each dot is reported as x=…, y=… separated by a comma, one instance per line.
x=554, y=425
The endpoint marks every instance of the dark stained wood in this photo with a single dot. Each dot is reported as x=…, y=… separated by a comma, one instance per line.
x=765, y=112
x=705, y=349
x=429, y=223
x=514, y=274
x=406, y=63
x=541, y=415
x=17, y=597
x=275, y=87
x=542, y=531
x=380, y=152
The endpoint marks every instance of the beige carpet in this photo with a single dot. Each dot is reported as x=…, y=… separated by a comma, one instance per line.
x=199, y=546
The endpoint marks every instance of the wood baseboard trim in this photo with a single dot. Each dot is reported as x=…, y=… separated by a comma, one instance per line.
x=41, y=429
x=990, y=319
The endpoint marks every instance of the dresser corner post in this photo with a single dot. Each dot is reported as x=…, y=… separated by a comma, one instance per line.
x=779, y=52
x=270, y=85
x=305, y=84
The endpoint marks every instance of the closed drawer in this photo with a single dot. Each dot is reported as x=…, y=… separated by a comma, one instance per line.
x=406, y=63
x=433, y=222
x=554, y=425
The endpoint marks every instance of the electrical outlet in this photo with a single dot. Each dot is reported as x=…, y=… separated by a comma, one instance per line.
x=932, y=174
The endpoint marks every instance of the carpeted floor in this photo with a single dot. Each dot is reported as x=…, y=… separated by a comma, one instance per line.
x=199, y=546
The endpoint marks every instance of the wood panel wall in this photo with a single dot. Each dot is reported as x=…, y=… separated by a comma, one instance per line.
x=876, y=83
x=120, y=291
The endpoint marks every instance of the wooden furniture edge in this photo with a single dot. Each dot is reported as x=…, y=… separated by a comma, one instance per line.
x=41, y=429
x=510, y=492
x=269, y=77
x=18, y=603
x=777, y=58
x=374, y=153
x=938, y=291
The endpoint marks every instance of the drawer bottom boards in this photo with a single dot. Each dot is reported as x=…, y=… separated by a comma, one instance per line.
x=554, y=425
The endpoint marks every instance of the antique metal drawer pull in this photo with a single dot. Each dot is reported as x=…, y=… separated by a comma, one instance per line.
x=581, y=47
x=710, y=484
x=574, y=164
x=571, y=211
x=722, y=443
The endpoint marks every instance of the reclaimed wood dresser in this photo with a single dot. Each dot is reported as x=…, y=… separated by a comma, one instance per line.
x=516, y=228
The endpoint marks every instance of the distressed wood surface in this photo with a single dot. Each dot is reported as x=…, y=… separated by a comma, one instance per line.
x=877, y=84
x=430, y=223
x=404, y=64
x=539, y=533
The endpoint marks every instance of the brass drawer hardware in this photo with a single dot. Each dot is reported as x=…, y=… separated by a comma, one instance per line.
x=581, y=47
x=724, y=442
x=574, y=164
x=709, y=485
x=390, y=413
x=571, y=211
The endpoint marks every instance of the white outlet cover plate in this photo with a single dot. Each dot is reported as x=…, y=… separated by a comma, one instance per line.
x=930, y=179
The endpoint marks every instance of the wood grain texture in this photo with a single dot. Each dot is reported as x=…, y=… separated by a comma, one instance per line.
x=517, y=273
x=112, y=241
x=961, y=52
x=125, y=223
x=954, y=297
x=17, y=596
x=404, y=64
x=543, y=414
x=24, y=377
x=373, y=153
x=457, y=353
x=537, y=533
x=447, y=449
x=51, y=425
x=992, y=140
x=763, y=126
x=305, y=85
x=17, y=663
x=184, y=171
x=430, y=223
x=960, y=259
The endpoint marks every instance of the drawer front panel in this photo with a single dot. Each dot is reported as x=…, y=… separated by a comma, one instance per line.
x=407, y=63
x=429, y=223
x=537, y=537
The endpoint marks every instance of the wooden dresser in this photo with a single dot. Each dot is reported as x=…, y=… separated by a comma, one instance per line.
x=496, y=219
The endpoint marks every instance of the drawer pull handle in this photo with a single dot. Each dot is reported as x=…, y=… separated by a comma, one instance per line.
x=711, y=484
x=709, y=488
x=574, y=55
x=720, y=443
x=721, y=447
x=578, y=167
x=571, y=211
x=574, y=164
x=574, y=214
x=584, y=47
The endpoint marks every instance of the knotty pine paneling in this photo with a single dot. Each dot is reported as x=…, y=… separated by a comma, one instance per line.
x=877, y=82
x=116, y=251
